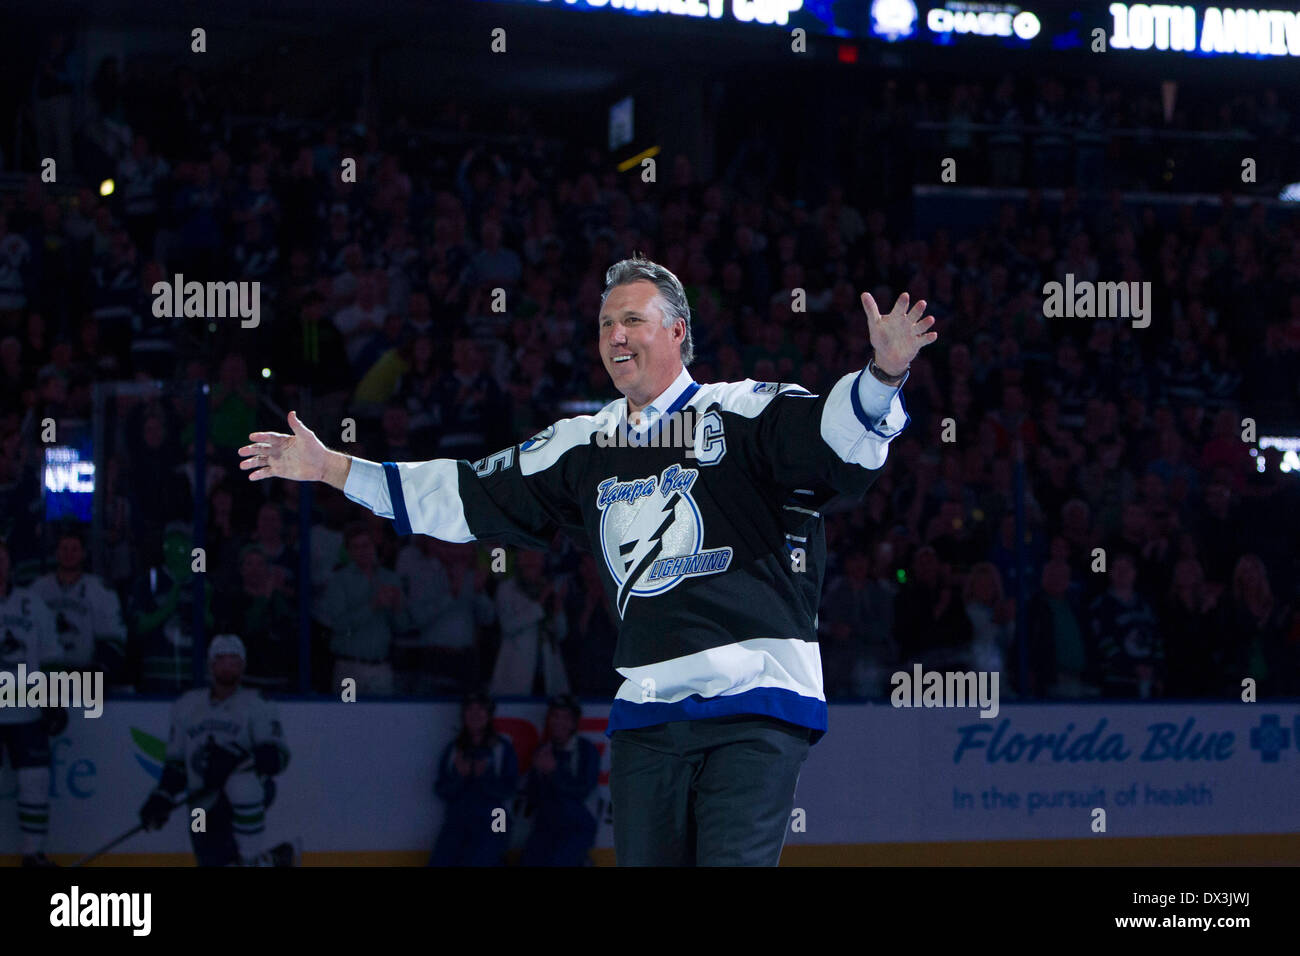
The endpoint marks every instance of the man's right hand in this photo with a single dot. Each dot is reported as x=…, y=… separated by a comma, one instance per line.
x=298, y=457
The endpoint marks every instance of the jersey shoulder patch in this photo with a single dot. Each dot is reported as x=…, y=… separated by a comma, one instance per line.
x=747, y=397
x=550, y=444
x=538, y=440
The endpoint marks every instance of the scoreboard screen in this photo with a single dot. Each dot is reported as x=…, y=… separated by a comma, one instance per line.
x=1284, y=450
x=1131, y=29
x=68, y=481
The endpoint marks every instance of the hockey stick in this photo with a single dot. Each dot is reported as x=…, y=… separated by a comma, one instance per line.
x=184, y=799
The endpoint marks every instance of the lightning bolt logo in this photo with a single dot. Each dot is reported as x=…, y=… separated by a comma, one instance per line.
x=643, y=544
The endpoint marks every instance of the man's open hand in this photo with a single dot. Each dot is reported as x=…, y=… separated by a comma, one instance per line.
x=898, y=336
x=298, y=457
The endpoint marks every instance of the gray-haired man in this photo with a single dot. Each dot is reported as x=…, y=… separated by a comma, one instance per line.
x=711, y=551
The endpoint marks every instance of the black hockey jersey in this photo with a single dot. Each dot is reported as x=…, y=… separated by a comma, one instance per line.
x=706, y=522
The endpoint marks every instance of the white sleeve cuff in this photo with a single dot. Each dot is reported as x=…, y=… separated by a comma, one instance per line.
x=881, y=405
x=861, y=417
x=367, y=486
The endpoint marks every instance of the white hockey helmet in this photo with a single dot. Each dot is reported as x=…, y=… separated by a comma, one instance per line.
x=227, y=644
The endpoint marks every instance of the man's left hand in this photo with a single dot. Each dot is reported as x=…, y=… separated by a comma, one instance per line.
x=900, y=334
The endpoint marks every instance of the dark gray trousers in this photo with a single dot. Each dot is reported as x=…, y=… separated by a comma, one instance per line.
x=712, y=792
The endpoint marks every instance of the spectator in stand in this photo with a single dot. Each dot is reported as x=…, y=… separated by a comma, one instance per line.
x=358, y=322
x=277, y=548
x=15, y=272
x=1151, y=550
x=1191, y=616
x=856, y=623
x=930, y=625
x=17, y=379
x=157, y=494
x=1262, y=636
x=478, y=774
x=256, y=202
x=1005, y=145
x=533, y=625
x=224, y=539
x=233, y=404
x=309, y=352
x=88, y=616
x=565, y=770
x=54, y=88
x=448, y=605
x=394, y=442
x=471, y=406
x=1126, y=635
x=267, y=620
x=954, y=536
x=992, y=619
x=1063, y=660
x=142, y=176
x=416, y=391
x=364, y=609
x=256, y=256
x=588, y=651
x=1222, y=526
x=493, y=265
x=199, y=211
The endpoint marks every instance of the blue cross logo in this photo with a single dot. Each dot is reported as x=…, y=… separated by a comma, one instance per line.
x=1270, y=738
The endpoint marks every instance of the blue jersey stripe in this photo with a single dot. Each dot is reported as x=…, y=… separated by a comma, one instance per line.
x=767, y=701
x=401, y=522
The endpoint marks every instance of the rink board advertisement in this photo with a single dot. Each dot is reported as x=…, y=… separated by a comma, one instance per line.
x=361, y=775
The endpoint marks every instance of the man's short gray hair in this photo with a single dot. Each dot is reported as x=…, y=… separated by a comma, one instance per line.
x=672, y=297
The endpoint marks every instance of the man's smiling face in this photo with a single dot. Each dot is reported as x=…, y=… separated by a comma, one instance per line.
x=640, y=355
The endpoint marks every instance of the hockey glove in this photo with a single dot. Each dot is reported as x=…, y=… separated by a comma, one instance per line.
x=267, y=760
x=155, y=811
x=219, y=763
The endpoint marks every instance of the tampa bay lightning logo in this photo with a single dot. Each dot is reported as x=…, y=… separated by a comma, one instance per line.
x=538, y=440
x=651, y=534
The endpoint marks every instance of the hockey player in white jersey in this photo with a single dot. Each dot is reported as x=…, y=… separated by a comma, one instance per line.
x=87, y=615
x=225, y=740
x=27, y=626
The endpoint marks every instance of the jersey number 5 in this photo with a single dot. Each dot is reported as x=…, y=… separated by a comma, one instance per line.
x=494, y=463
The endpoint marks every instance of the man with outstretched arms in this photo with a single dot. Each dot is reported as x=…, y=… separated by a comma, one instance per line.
x=703, y=506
